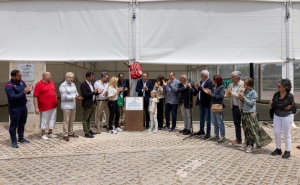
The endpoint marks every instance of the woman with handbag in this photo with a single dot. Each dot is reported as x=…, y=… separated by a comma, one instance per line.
x=253, y=132
x=217, y=116
x=113, y=94
x=283, y=116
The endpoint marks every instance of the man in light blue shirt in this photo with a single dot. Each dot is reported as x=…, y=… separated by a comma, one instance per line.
x=69, y=95
x=172, y=100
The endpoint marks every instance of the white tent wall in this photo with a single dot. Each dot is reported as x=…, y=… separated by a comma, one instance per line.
x=214, y=32
x=64, y=31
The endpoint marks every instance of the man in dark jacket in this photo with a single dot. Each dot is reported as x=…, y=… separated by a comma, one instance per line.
x=16, y=91
x=204, y=103
x=88, y=103
x=144, y=87
x=186, y=91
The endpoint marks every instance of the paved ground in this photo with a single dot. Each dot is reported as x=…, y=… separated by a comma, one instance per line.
x=142, y=158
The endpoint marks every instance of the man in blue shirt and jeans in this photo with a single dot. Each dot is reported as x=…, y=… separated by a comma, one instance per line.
x=172, y=100
x=16, y=91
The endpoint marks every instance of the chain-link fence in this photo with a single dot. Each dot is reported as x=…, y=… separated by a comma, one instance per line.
x=297, y=81
x=270, y=74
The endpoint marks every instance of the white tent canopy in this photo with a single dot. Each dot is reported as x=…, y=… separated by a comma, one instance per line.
x=169, y=31
x=211, y=32
x=64, y=30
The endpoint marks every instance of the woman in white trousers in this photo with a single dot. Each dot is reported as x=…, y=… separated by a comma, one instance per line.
x=283, y=116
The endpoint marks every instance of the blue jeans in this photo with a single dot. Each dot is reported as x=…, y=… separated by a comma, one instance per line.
x=169, y=108
x=18, y=118
x=204, y=113
x=217, y=120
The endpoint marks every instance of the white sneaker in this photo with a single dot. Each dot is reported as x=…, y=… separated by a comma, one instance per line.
x=154, y=131
x=149, y=130
x=119, y=129
x=249, y=149
x=44, y=137
x=52, y=135
x=243, y=147
x=113, y=132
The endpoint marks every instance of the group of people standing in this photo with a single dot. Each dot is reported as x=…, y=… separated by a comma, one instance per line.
x=175, y=93
x=160, y=100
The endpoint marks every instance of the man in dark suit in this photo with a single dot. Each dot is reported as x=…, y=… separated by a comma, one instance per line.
x=204, y=101
x=144, y=87
x=186, y=91
x=88, y=103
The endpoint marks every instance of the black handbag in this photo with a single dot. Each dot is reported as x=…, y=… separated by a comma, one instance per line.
x=272, y=111
x=294, y=108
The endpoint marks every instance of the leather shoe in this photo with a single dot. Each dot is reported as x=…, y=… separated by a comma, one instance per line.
x=187, y=132
x=74, y=135
x=199, y=133
x=88, y=135
x=237, y=142
x=182, y=131
x=66, y=138
x=207, y=136
x=98, y=131
x=166, y=127
x=93, y=133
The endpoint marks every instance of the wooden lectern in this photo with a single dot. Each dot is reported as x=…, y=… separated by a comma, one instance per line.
x=134, y=114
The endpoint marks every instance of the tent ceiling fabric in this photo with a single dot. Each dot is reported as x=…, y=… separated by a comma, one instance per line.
x=170, y=31
x=64, y=30
x=214, y=32
x=296, y=29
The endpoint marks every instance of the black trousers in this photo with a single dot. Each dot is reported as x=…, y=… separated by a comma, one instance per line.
x=160, y=112
x=147, y=116
x=18, y=118
x=236, y=115
x=114, y=113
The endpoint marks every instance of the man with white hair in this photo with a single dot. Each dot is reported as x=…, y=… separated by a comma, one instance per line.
x=204, y=101
x=237, y=86
x=69, y=95
x=186, y=91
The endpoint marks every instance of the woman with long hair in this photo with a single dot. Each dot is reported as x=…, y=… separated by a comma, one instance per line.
x=283, y=116
x=113, y=94
x=160, y=105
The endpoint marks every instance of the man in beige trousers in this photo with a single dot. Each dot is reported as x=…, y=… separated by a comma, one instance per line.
x=102, y=100
x=69, y=95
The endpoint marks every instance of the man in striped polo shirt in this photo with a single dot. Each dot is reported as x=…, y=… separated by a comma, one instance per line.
x=69, y=95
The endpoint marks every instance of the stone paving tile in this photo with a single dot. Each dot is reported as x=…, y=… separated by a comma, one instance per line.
x=141, y=158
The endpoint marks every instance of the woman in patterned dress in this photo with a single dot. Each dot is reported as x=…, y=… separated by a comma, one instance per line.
x=254, y=133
